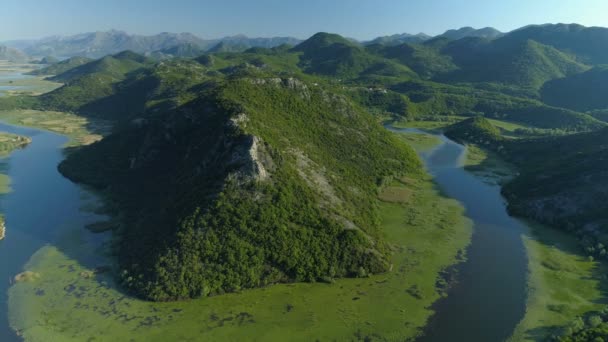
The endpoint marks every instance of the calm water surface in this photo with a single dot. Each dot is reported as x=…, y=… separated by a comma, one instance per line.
x=489, y=297
x=41, y=205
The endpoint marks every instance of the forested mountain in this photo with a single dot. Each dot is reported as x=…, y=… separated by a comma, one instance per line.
x=464, y=32
x=521, y=63
x=291, y=201
x=63, y=66
x=584, y=92
x=587, y=43
x=397, y=39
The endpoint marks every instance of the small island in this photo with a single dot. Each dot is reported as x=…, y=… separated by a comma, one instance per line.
x=10, y=142
x=2, y=228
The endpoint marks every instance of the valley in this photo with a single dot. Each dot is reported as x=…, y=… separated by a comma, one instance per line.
x=405, y=188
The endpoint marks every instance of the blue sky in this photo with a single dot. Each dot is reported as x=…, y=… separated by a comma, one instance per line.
x=362, y=19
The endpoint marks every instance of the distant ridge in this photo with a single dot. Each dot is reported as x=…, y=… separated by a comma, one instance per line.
x=464, y=32
x=102, y=43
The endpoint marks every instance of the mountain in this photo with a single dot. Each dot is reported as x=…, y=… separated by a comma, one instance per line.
x=333, y=55
x=397, y=39
x=87, y=85
x=244, y=41
x=217, y=200
x=587, y=43
x=563, y=182
x=12, y=55
x=425, y=61
x=182, y=50
x=227, y=47
x=464, y=32
x=99, y=44
x=476, y=130
x=522, y=63
x=583, y=92
x=61, y=67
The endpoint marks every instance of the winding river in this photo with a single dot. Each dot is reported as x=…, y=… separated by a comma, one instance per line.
x=41, y=205
x=488, y=299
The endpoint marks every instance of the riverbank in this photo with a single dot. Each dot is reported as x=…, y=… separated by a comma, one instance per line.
x=13, y=80
x=80, y=131
x=563, y=283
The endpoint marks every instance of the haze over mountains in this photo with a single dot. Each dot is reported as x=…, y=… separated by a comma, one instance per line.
x=99, y=44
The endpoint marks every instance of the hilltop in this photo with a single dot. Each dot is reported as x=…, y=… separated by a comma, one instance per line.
x=62, y=66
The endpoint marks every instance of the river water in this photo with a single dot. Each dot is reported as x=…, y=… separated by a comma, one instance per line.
x=41, y=205
x=488, y=299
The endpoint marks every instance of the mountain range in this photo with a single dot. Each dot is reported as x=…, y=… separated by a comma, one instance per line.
x=163, y=45
x=99, y=44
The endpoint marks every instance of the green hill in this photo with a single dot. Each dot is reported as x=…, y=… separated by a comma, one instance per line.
x=62, y=67
x=397, y=39
x=563, y=183
x=116, y=66
x=184, y=50
x=525, y=64
x=474, y=130
x=587, y=43
x=91, y=82
x=465, y=32
x=584, y=92
x=218, y=200
x=425, y=61
x=426, y=99
x=333, y=55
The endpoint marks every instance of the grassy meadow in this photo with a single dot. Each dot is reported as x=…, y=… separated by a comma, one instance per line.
x=562, y=283
x=81, y=131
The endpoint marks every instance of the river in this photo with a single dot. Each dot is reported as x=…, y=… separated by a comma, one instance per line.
x=488, y=299
x=41, y=205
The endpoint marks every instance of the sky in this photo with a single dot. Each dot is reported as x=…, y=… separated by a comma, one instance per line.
x=360, y=19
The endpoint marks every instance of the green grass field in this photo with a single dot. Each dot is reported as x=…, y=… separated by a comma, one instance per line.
x=81, y=131
x=10, y=142
x=420, y=142
x=488, y=165
x=562, y=282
